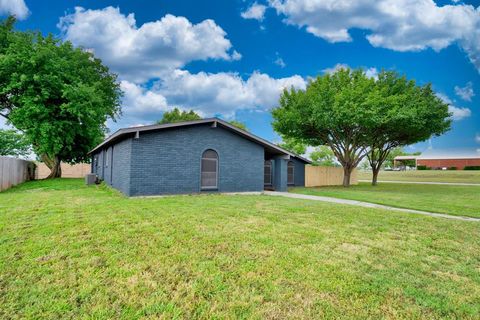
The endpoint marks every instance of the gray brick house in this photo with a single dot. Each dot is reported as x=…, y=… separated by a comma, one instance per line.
x=208, y=155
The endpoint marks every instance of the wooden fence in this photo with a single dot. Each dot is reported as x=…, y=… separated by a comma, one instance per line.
x=14, y=171
x=316, y=176
x=68, y=171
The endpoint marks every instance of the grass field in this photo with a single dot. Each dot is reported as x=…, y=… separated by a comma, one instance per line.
x=454, y=200
x=71, y=251
x=459, y=176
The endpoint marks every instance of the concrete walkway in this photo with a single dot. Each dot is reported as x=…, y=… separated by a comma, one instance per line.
x=366, y=205
x=427, y=182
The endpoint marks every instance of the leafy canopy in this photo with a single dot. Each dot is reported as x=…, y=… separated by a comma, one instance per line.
x=356, y=115
x=293, y=145
x=178, y=116
x=239, y=124
x=58, y=95
x=323, y=156
x=13, y=143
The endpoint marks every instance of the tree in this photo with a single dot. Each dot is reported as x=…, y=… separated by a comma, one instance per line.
x=402, y=114
x=178, y=116
x=293, y=145
x=323, y=156
x=239, y=124
x=332, y=111
x=395, y=152
x=13, y=143
x=58, y=95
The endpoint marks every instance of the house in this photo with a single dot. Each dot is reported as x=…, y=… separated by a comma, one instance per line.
x=444, y=159
x=208, y=155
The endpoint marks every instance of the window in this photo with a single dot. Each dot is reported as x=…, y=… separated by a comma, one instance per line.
x=267, y=173
x=290, y=172
x=106, y=158
x=209, y=174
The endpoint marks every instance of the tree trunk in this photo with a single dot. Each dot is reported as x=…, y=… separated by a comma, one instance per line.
x=347, y=172
x=375, y=172
x=54, y=165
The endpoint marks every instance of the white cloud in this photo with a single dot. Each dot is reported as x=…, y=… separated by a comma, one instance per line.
x=279, y=62
x=255, y=11
x=477, y=138
x=145, y=52
x=371, y=72
x=224, y=93
x=18, y=8
x=466, y=93
x=208, y=94
x=457, y=112
x=401, y=25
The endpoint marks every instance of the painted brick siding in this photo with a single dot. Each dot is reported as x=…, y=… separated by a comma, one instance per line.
x=298, y=173
x=168, y=161
x=121, y=159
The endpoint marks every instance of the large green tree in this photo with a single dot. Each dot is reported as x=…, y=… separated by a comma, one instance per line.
x=402, y=114
x=58, y=95
x=334, y=110
x=176, y=115
x=13, y=143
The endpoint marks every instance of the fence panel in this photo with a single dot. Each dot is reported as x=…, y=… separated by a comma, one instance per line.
x=316, y=176
x=13, y=171
x=79, y=170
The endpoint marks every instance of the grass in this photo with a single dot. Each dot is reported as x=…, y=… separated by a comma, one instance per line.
x=454, y=200
x=71, y=251
x=458, y=176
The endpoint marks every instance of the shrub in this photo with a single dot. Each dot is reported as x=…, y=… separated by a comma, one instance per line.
x=452, y=168
x=423, y=168
x=471, y=168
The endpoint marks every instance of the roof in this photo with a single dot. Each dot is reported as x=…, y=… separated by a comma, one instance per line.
x=405, y=157
x=122, y=133
x=432, y=154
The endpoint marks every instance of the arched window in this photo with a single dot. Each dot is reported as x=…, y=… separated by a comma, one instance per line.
x=290, y=173
x=209, y=175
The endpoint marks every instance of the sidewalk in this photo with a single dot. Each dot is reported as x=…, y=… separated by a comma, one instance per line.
x=366, y=205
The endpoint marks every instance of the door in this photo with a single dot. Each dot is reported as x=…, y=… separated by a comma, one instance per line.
x=267, y=173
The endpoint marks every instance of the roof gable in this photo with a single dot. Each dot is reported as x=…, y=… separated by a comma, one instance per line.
x=121, y=133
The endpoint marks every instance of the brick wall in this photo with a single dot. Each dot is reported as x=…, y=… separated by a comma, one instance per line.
x=447, y=163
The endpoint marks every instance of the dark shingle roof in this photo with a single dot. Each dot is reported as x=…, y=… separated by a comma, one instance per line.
x=121, y=133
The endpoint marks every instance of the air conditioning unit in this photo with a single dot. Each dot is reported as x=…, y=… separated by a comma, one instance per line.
x=90, y=178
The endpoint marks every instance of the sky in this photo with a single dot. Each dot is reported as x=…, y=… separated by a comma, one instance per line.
x=232, y=59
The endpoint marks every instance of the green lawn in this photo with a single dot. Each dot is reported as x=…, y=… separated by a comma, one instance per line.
x=455, y=200
x=459, y=176
x=71, y=251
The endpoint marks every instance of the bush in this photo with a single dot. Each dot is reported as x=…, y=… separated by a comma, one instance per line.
x=423, y=168
x=452, y=168
x=471, y=168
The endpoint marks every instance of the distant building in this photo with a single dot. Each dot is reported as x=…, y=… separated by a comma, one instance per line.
x=440, y=159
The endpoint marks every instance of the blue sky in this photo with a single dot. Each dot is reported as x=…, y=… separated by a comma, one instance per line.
x=232, y=58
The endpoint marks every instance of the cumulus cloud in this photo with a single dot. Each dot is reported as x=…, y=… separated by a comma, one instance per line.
x=224, y=93
x=18, y=8
x=208, y=94
x=401, y=25
x=141, y=53
x=255, y=11
x=466, y=93
x=457, y=112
